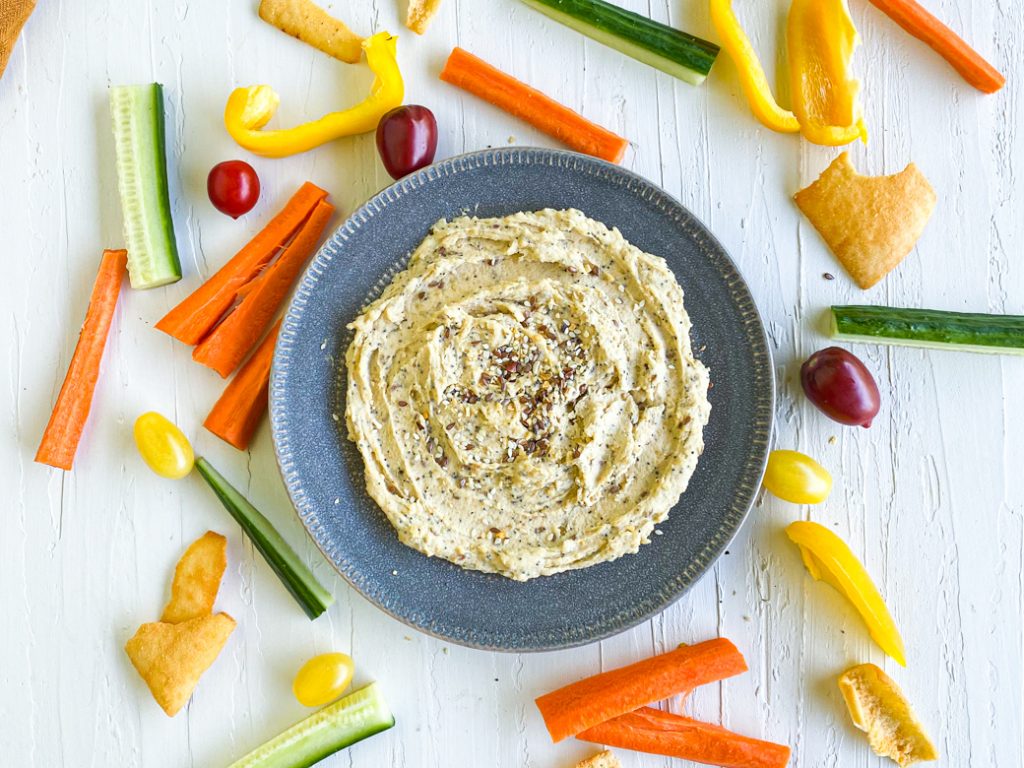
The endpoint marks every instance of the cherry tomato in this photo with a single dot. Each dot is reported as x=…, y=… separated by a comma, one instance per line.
x=839, y=384
x=407, y=139
x=163, y=446
x=323, y=678
x=233, y=187
x=796, y=477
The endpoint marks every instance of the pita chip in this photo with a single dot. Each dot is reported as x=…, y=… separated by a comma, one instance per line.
x=870, y=223
x=197, y=579
x=172, y=657
x=419, y=14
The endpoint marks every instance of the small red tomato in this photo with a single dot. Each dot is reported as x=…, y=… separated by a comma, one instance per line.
x=841, y=386
x=233, y=187
x=407, y=139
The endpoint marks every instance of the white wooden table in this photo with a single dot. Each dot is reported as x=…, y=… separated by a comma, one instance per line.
x=930, y=497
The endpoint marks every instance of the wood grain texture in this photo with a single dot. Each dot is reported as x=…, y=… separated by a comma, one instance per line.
x=929, y=497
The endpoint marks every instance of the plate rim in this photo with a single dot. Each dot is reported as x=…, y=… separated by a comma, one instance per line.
x=764, y=420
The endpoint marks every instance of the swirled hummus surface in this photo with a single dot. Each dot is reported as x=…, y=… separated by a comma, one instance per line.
x=524, y=395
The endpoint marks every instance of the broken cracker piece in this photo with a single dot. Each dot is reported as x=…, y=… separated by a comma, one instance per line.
x=172, y=657
x=604, y=759
x=314, y=26
x=197, y=579
x=870, y=223
x=879, y=708
x=419, y=14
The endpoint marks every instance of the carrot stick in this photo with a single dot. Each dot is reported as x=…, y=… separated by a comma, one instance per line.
x=226, y=347
x=466, y=71
x=64, y=430
x=587, y=703
x=236, y=415
x=660, y=733
x=193, y=318
x=919, y=23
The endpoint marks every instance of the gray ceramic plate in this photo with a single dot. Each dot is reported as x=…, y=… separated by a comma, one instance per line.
x=324, y=472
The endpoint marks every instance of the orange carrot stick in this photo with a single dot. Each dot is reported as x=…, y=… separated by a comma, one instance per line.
x=64, y=430
x=226, y=347
x=918, y=22
x=237, y=414
x=587, y=703
x=194, y=317
x=475, y=75
x=660, y=733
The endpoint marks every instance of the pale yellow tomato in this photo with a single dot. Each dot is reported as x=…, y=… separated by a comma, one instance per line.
x=163, y=446
x=796, y=477
x=323, y=678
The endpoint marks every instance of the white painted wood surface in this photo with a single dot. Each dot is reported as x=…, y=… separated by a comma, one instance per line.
x=929, y=497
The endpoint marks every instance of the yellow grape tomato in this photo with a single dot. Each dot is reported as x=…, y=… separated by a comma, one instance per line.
x=323, y=678
x=163, y=446
x=796, y=477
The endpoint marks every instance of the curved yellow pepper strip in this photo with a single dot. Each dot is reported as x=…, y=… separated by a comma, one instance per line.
x=249, y=109
x=752, y=78
x=829, y=559
x=821, y=39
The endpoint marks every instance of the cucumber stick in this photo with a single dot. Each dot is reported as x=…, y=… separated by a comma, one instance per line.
x=341, y=724
x=139, y=143
x=967, y=332
x=294, y=574
x=681, y=55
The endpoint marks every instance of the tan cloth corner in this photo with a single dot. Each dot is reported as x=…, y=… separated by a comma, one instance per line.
x=13, y=15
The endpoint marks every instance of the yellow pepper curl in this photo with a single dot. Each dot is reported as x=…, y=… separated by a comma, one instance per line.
x=829, y=559
x=821, y=39
x=249, y=109
x=752, y=77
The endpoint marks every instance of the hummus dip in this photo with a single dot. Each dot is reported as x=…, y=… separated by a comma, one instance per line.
x=524, y=395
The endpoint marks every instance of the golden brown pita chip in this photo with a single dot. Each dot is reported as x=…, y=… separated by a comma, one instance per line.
x=314, y=26
x=604, y=759
x=879, y=708
x=870, y=222
x=172, y=657
x=420, y=12
x=197, y=579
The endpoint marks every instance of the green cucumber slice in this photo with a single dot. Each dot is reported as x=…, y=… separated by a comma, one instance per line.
x=341, y=724
x=674, y=52
x=139, y=143
x=294, y=574
x=929, y=328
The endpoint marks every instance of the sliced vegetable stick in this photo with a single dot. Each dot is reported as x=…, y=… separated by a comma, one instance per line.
x=64, y=430
x=229, y=343
x=466, y=71
x=237, y=414
x=919, y=23
x=314, y=26
x=194, y=317
x=660, y=733
x=584, y=704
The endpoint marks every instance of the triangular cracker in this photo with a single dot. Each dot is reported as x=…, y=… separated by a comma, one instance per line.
x=420, y=12
x=172, y=657
x=197, y=579
x=870, y=222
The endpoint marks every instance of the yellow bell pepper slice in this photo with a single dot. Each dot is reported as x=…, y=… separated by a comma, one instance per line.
x=829, y=559
x=821, y=39
x=249, y=109
x=752, y=78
